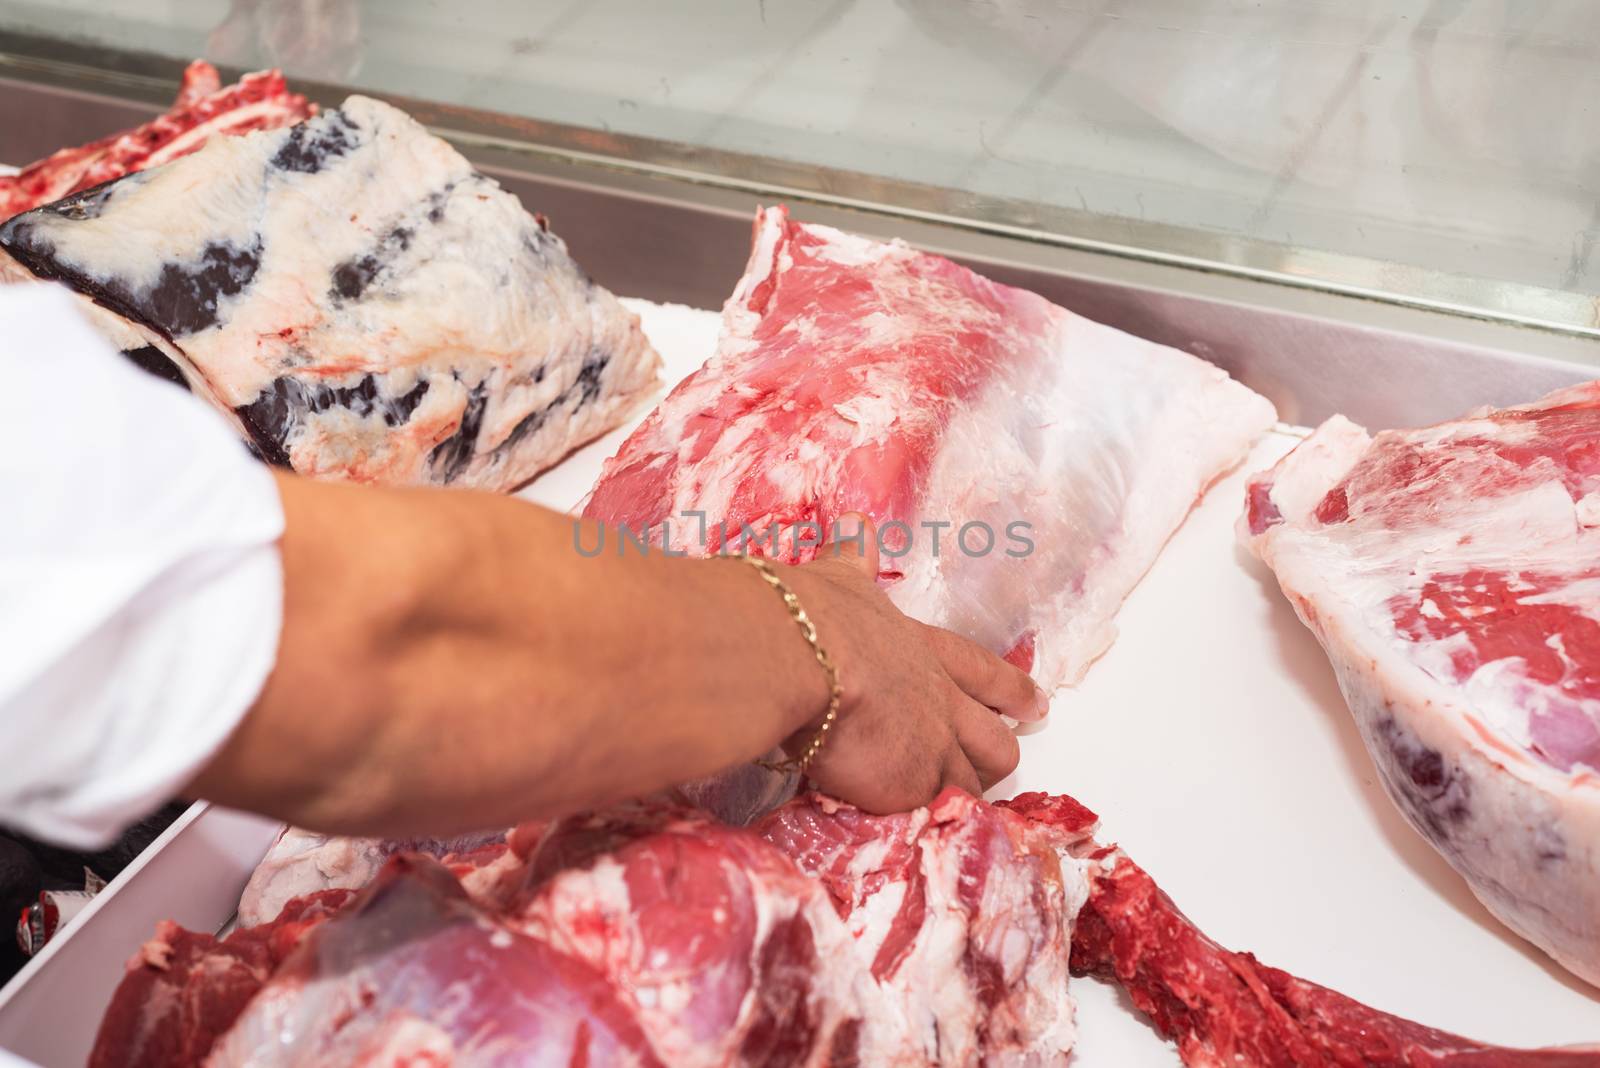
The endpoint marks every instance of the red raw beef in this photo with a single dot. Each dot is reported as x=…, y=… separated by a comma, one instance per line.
x=184, y=990
x=1025, y=465
x=415, y=972
x=1452, y=574
x=203, y=109
x=722, y=950
x=962, y=917
x=652, y=935
x=1228, y=1009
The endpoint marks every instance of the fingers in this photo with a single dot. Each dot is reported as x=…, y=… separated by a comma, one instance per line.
x=958, y=771
x=855, y=540
x=988, y=744
x=986, y=678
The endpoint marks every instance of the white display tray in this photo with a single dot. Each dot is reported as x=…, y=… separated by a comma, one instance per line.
x=1211, y=739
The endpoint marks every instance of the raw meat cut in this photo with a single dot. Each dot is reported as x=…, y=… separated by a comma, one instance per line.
x=1452, y=574
x=721, y=949
x=203, y=109
x=415, y=973
x=184, y=990
x=358, y=299
x=1226, y=1008
x=1024, y=465
x=961, y=915
x=650, y=934
x=303, y=862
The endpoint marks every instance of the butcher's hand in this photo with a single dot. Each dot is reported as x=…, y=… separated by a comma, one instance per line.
x=921, y=706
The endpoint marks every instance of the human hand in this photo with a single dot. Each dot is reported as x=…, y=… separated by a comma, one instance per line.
x=921, y=706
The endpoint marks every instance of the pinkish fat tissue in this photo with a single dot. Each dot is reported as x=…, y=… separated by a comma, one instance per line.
x=1452, y=573
x=1025, y=465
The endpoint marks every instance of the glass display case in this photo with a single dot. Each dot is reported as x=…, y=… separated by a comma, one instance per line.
x=1433, y=152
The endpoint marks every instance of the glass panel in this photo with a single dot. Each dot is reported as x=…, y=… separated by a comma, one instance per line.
x=1382, y=144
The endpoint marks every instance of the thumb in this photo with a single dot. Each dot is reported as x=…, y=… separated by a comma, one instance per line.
x=855, y=540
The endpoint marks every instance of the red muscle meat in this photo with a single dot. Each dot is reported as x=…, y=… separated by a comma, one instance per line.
x=722, y=950
x=414, y=972
x=823, y=936
x=1452, y=574
x=653, y=935
x=184, y=990
x=960, y=914
x=1226, y=1008
x=203, y=109
x=1024, y=465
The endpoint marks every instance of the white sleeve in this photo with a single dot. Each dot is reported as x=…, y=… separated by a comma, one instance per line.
x=141, y=589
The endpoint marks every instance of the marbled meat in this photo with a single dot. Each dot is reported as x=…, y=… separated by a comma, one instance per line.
x=203, y=110
x=359, y=300
x=1452, y=574
x=1024, y=465
x=652, y=935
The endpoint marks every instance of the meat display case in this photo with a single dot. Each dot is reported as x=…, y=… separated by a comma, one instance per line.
x=1234, y=772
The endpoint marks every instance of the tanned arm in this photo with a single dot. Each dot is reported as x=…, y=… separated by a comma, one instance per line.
x=450, y=661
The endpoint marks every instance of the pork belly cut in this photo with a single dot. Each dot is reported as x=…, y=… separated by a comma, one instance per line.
x=1452, y=574
x=1025, y=465
x=358, y=299
x=203, y=110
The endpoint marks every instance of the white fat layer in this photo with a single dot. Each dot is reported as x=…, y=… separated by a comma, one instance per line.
x=1100, y=444
x=235, y=118
x=462, y=288
x=1093, y=443
x=303, y=862
x=1587, y=509
x=1316, y=465
x=1485, y=514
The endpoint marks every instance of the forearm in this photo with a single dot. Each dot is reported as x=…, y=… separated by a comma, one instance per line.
x=449, y=660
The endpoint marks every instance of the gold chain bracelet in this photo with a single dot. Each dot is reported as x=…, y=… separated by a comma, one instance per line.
x=808, y=630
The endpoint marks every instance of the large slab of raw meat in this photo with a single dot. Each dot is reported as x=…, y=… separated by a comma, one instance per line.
x=1452, y=574
x=649, y=934
x=1025, y=464
x=203, y=110
x=653, y=935
x=358, y=299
